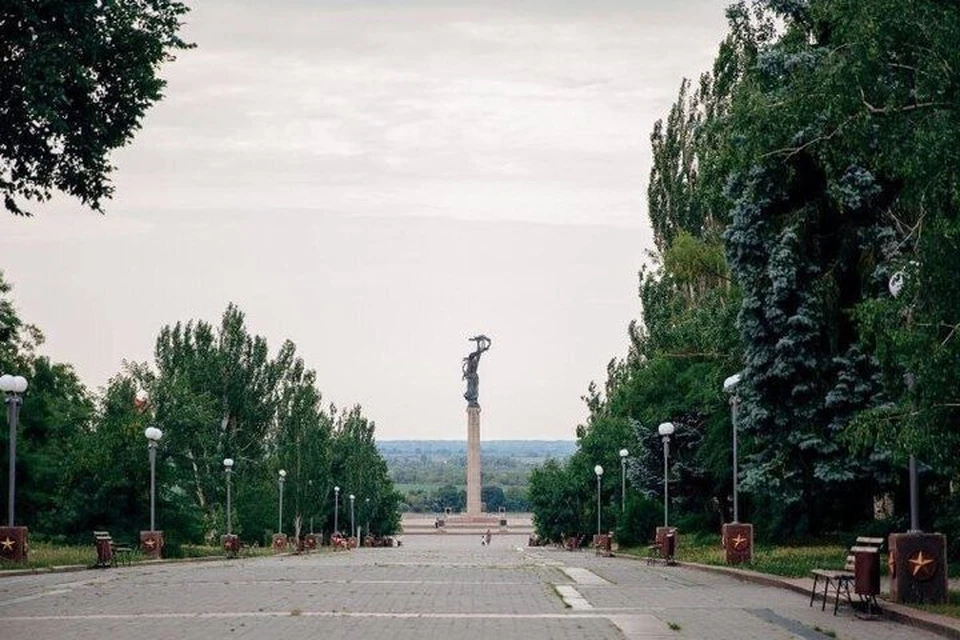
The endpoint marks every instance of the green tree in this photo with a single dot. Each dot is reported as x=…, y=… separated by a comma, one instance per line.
x=76, y=77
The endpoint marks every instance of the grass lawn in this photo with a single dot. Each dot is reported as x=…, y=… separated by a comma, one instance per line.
x=952, y=608
x=788, y=561
x=44, y=555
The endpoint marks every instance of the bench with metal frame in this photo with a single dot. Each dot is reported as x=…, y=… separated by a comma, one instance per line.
x=109, y=553
x=839, y=580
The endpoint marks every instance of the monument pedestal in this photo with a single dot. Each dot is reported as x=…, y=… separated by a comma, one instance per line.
x=918, y=567
x=311, y=541
x=13, y=544
x=667, y=541
x=474, y=507
x=279, y=542
x=231, y=544
x=737, y=542
x=151, y=544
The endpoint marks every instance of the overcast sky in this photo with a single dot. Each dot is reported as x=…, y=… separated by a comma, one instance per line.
x=379, y=180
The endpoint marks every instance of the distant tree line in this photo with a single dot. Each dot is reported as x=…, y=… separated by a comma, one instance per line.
x=815, y=165
x=216, y=391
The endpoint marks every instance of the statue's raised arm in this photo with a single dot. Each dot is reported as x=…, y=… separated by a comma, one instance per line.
x=470, y=365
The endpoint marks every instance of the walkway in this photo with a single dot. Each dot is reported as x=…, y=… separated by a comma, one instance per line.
x=432, y=587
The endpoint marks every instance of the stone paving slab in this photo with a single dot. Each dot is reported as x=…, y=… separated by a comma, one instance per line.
x=432, y=587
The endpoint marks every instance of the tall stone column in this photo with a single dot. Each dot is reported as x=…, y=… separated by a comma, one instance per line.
x=473, y=461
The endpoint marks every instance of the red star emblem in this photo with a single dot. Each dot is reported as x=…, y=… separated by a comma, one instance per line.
x=923, y=566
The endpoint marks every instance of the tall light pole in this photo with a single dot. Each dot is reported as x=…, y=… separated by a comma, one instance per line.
x=336, y=509
x=895, y=285
x=283, y=477
x=153, y=435
x=623, y=479
x=730, y=387
x=228, y=469
x=598, y=470
x=353, y=531
x=367, y=502
x=12, y=387
x=666, y=430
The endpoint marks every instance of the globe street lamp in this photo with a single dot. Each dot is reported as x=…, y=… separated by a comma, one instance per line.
x=283, y=477
x=367, y=502
x=353, y=530
x=228, y=469
x=730, y=387
x=336, y=509
x=895, y=285
x=666, y=429
x=12, y=387
x=153, y=435
x=599, y=471
x=623, y=479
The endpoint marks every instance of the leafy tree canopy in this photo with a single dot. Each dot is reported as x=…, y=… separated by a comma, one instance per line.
x=76, y=77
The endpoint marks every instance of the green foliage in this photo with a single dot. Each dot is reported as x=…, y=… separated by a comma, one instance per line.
x=639, y=522
x=76, y=78
x=216, y=392
x=815, y=160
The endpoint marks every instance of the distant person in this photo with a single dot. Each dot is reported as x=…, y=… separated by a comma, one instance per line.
x=486, y=537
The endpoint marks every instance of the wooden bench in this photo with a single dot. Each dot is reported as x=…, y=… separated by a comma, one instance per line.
x=840, y=579
x=109, y=553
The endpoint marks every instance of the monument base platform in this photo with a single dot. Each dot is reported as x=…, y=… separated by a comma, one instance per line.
x=737, y=540
x=918, y=567
x=151, y=544
x=13, y=544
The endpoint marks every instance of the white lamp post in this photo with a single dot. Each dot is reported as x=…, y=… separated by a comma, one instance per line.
x=283, y=477
x=353, y=531
x=666, y=430
x=153, y=435
x=623, y=479
x=367, y=502
x=598, y=470
x=228, y=468
x=336, y=509
x=730, y=387
x=12, y=388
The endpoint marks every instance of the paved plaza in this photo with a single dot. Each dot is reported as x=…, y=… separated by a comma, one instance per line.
x=434, y=586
